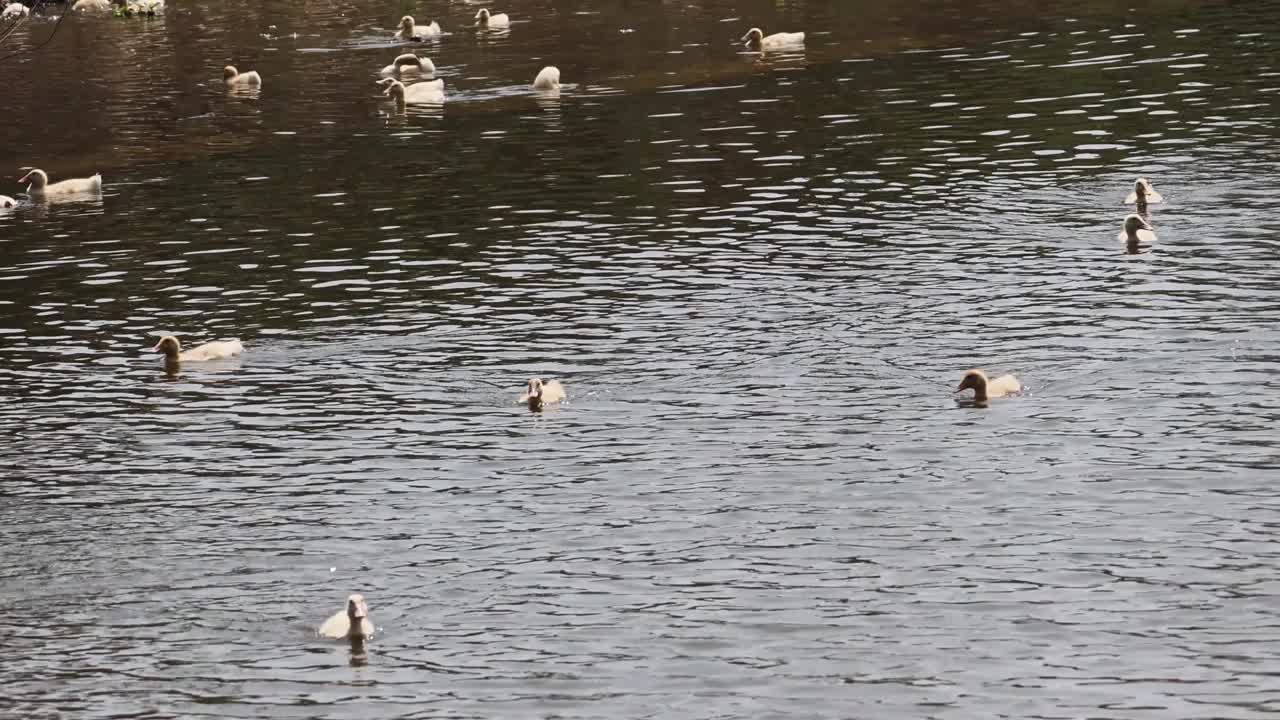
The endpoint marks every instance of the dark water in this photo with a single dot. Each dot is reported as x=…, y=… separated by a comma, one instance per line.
x=759, y=279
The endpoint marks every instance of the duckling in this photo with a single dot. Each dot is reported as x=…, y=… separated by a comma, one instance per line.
x=40, y=186
x=548, y=79
x=984, y=388
x=409, y=60
x=411, y=31
x=1136, y=230
x=538, y=393
x=231, y=76
x=492, y=21
x=755, y=37
x=1143, y=194
x=91, y=6
x=430, y=92
x=173, y=352
x=14, y=10
x=350, y=622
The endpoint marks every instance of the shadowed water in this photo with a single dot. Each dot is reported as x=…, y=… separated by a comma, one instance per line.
x=759, y=277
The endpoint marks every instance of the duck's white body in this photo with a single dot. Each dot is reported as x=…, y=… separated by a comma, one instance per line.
x=15, y=10
x=985, y=388
x=1136, y=230
x=40, y=186
x=91, y=5
x=409, y=30
x=430, y=92
x=409, y=61
x=144, y=7
x=484, y=19
x=235, y=78
x=218, y=350
x=7, y=202
x=548, y=79
x=350, y=622
x=777, y=41
x=1143, y=194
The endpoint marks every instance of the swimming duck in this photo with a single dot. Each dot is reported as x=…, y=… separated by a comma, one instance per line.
x=350, y=622
x=777, y=41
x=231, y=76
x=430, y=92
x=548, y=79
x=173, y=352
x=1143, y=194
x=14, y=10
x=409, y=60
x=538, y=393
x=984, y=388
x=417, y=33
x=494, y=21
x=1136, y=230
x=75, y=186
x=7, y=202
x=91, y=5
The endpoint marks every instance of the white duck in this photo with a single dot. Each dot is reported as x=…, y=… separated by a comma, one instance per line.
x=1136, y=230
x=144, y=7
x=91, y=6
x=548, y=79
x=233, y=77
x=539, y=392
x=755, y=37
x=430, y=92
x=12, y=11
x=409, y=30
x=1143, y=194
x=40, y=186
x=409, y=60
x=484, y=19
x=985, y=388
x=173, y=352
x=7, y=202
x=350, y=622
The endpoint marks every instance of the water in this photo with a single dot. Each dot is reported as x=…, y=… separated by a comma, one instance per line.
x=759, y=279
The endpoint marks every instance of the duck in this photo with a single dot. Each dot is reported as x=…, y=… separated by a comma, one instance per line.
x=349, y=622
x=7, y=202
x=493, y=21
x=172, y=349
x=231, y=76
x=1143, y=194
x=14, y=10
x=74, y=186
x=985, y=388
x=409, y=60
x=776, y=41
x=1136, y=230
x=548, y=79
x=417, y=33
x=539, y=392
x=430, y=92
x=91, y=5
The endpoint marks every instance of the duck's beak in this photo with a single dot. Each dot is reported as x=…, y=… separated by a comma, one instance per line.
x=524, y=398
x=156, y=348
x=24, y=178
x=959, y=389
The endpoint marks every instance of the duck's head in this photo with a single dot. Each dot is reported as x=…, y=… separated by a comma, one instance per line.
x=1141, y=187
x=483, y=15
x=406, y=23
x=533, y=390
x=753, y=35
x=548, y=78
x=168, y=345
x=356, y=609
x=973, y=379
x=229, y=72
x=407, y=59
x=393, y=88
x=1133, y=223
x=37, y=177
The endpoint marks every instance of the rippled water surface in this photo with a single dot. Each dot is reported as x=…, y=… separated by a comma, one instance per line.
x=759, y=277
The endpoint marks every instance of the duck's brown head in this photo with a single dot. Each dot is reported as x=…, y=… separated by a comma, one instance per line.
x=406, y=24
x=393, y=88
x=754, y=35
x=975, y=380
x=168, y=345
x=1133, y=223
x=356, y=609
x=533, y=394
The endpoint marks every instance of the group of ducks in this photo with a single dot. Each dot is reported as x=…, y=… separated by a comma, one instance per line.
x=121, y=7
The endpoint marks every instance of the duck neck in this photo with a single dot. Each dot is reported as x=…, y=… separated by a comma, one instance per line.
x=980, y=392
x=535, y=402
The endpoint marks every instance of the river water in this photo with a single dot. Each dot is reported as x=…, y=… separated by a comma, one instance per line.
x=759, y=278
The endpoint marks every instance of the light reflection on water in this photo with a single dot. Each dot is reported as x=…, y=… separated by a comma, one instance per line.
x=759, y=276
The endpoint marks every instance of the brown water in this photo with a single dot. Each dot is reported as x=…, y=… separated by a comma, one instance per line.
x=759, y=277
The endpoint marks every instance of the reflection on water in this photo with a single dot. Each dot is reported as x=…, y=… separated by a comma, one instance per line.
x=759, y=275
